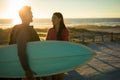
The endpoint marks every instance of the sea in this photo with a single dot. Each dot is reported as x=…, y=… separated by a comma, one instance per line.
x=71, y=22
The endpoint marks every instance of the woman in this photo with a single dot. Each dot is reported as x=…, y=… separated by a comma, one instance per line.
x=58, y=32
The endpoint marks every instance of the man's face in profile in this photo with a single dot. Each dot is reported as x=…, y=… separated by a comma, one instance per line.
x=26, y=14
x=30, y=16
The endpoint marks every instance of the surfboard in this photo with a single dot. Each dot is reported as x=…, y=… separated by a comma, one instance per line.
x=45, y=58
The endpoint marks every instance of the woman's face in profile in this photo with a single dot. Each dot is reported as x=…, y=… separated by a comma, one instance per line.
x=55, y=20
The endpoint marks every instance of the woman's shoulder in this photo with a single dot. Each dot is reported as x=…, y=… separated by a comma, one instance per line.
x=51, y=29
x=65, y=30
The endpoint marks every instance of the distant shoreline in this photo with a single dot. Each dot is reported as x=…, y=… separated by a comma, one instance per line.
x=46, y=22
x=76, y=33
x=73, y=26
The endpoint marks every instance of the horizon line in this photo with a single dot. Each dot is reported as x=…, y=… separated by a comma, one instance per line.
x=71, y=18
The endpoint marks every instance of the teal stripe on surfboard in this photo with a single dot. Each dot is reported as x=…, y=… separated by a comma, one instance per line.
x=45, y=58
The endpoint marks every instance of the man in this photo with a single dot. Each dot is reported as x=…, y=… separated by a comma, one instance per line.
x=20, y=35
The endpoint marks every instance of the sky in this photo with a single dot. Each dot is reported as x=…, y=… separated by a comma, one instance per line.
x=69, y=8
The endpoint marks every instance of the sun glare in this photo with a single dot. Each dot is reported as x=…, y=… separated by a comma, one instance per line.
x=14, y=7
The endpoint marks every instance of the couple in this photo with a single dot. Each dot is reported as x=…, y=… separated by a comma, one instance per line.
x=23, y=33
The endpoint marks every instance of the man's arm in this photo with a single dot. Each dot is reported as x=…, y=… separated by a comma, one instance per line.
x=22, y=39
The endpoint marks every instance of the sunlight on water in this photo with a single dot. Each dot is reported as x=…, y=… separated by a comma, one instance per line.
x=46, y=23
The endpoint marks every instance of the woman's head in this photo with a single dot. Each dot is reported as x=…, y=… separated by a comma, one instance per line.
x=57, y=20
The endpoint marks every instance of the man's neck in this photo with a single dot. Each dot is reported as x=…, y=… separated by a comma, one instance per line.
x=24, y=23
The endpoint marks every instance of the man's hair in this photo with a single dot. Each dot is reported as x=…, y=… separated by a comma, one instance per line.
x=23, y=11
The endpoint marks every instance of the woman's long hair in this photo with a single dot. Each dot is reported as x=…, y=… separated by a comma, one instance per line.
x=61, y=26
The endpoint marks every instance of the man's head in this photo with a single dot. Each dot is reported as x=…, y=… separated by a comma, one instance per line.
x=26, y=14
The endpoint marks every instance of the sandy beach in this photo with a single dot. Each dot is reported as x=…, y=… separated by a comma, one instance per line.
x=104, y=66
x=76, y=33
